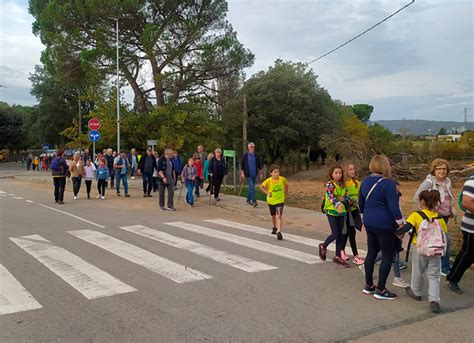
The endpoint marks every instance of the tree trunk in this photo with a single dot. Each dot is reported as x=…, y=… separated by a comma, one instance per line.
x=160, y=98
x=139, y=99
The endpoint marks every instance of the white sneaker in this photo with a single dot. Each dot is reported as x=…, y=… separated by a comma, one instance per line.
x=75, y=198
x=362, y=268
x=103, y=198
x=399, y=282
x=98, y=197
x=133, y=177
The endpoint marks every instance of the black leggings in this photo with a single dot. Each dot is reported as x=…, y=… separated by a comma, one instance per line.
x=352, y=225
x=76, y=184
x=379, y=239
x=59, y=186
x=101, y=183
x=88, y=186
x=337, y=225
x=216, y=185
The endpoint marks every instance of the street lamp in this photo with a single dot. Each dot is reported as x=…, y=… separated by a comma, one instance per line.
x=118, y=79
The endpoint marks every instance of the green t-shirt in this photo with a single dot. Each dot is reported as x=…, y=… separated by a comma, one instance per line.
x=277, y=188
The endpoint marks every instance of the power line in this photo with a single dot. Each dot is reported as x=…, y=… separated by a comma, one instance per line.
x=360, y=34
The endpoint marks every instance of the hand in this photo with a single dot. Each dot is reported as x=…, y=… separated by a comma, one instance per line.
x=340, y=208
x=340, y=199
x=242, y=175
x=269, y=194
x=165, y=180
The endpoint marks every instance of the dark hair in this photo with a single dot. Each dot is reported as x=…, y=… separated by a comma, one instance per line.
x=59, y=153
x=273, y=167
x=431, y=198
x=332, y=169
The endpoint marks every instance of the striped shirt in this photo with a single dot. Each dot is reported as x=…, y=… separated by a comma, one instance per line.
x=467, y=222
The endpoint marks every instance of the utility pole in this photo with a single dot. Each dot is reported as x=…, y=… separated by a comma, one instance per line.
x=466, y=115
x=244, y=124
x=118, y=86
x=80, y=116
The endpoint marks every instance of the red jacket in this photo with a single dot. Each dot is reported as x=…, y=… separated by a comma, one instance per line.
x=199, y=168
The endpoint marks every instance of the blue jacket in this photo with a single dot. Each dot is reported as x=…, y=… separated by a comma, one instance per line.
x=102, y=173
x=382, y=209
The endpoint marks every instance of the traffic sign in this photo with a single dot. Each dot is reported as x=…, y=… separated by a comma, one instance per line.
x=229, y=153
x=151, y=142
x=94, y=124
x=94, y=136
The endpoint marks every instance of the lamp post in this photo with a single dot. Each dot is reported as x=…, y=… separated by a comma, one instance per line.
x=118, y=86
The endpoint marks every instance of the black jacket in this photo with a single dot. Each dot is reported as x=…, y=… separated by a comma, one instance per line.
x=214, y=169
x=161, y=165
x=141, y=165
x=110, y=161
x=244, y=165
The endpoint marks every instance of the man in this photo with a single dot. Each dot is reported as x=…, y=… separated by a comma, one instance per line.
x=251, y=167
x=465, y=258
x=166, y=180
x=86, y=156
x=146, y=168
x=29, y=161
x=177, y=167
x=121, y=166
x=110, y=164
x=202, y=154
x=132, y=158
x=59, y=170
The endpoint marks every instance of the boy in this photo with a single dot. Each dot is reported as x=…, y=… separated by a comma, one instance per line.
x=276, y=189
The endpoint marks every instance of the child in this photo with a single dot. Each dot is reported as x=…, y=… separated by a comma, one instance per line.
x=334, y=206
x=276, y=189
x=430, y=229
x=199, y=173
x=188, y=177
x=102, y=175
x=89, y=172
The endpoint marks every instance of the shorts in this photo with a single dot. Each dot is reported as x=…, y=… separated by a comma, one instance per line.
x=274, y=209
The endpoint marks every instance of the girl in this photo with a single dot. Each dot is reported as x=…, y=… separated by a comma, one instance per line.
x=353, y=219
x=102, y=175
x=89, y=172
x=334, y=207
x=423, y=261
x=77, y=169
x=188, y=177
x=199, y=174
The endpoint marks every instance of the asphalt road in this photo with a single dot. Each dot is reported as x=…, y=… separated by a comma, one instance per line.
x=117, y=271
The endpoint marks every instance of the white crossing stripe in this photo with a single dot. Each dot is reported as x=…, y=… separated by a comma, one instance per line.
x=3, y=192
x=249, y=243
x=74, y=216
x=87, y=279
x=236, y=261
x=18, y=198
x=30, y=201
x=13, y=296
x=160, y=265
x=287, y=236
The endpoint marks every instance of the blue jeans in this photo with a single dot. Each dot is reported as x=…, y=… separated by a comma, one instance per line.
x=122, y=177
x=147, y=182
x=445, y=266
x=189, y=195
x=251, y=197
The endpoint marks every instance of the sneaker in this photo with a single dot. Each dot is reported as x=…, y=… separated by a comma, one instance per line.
x=248, y=202
x=358, y=260
x=279, y=236
x=60, y=202
x=217, y=199
x=162, y=208
x=75, y=197
x=127, y=195
x=338, y=260
x=445, y=272
x=103, y=198
x=119, y=195
x=362, y=268
x=171, y=209
x=274, y=231
x=403, y=266
x=453, y=286
x=255, y=204
x=344, y=256
x=144, y=195
x=368, y=290
x=189, y=204
x=149, y=196
x=435, y=308
x=322, y=252
x=384, y=295
x=56, y=201
x=133, y=178
x=399, y=282
x=88, y=196
x=98, y=197
x=412, y=294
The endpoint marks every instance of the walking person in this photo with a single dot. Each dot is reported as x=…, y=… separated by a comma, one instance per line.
x=89, y=175
x=36, y=164
x=133, y=160
x=59, y=170
x=121, y=167
x=177, y=168
x=204, y=156
x=336, y=200
x=207, y=162
x=379, y=204
x=438, y=179
x=251, y=168
x=428, y=238
x=29, y=161
x=353, y=218
x=166, y=180
x=155, y=172
x=199, y=174
x=76, y=169
x=217, y=172
x=86, y=156
x=276, y=189
x=102, y=175
x=110, y=164
x=465, y=258
x=147, y=167
x=189, y=175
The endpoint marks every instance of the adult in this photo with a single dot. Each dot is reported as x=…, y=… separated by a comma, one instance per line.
x=133, y=160
x=251, y=168
x=217, y=171
x=59, y=170
x=379, y=203
x=29, y=161
x=177, y=167
x=438, y=180
x=146, y=168
x=166, y=180
x=86, y=156
x=121, y=167
x=465, y=258
x=202, y=152
x=110, y=164
x=76, y=169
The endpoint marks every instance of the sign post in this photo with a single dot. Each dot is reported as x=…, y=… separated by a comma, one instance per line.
x=151, y=143
x=94, y=135
x=231, y=153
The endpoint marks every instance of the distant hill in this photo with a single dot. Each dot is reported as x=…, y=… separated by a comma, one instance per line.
x=424, y=127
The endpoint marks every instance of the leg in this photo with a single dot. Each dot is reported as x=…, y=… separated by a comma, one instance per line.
x=279, y=218
x=103, y=188
x=387, y=245
x=62, y=187
x=117, y=185
x=161, y=189
x=149, y=179
x=445, y=267
x=217, y=186
x=170, y=195
x=418, y=264
x=145, y=183
x=79, y=183
x=56, y=188
x=251, y=184
x=198, y=184
x=340, y=227
x=373, y=248
x=334, y=231
x=112, y=177
x=352, y=240
x=464, y=259
x=396, y=265
x=88, y=187
x=433, y=274
x=125, y=183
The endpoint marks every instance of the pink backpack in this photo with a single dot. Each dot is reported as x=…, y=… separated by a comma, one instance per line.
x=430, y=237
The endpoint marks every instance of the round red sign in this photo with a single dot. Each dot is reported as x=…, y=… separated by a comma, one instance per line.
x=94, y=124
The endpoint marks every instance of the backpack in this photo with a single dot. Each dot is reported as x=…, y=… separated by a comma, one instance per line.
x=460, y=196
x=430, y=237
x=55, y=165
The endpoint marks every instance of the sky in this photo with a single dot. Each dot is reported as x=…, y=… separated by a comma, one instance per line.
x=417, y=65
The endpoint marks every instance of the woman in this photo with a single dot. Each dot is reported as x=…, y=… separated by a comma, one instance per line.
x=438, y=180
x=206, y=170
x=353, y=219
x=217, y=171
x=379, y=203
x=89, y=174
x=335, y=207
x=77, y=169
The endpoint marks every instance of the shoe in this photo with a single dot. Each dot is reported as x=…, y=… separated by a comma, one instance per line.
x=453, y=286
x=338, y=260
x=248, y=202
x=56, y=201
x=358, y=260
x=162, y=208
x=384, y=295
x=368, y=290
x=255, y=204
x=133, y=177
x=274, y=231
x=435, y=308
x=412, y=294
x=399, y=282
x=119, y=195
x=445, y=272
x=127, y=195
x=98, y=197
x=144, y=195
x=171, y=209
x=149, y=196
x=88, y=196
x=322, y=252
x=103, y=198
x=279, y=236
x=189, y=204
x=198, y=196
x=60, y=202
x=362, y=268
x=403, y=266
x=217, y=199
x=344, y=256
x=75, y=197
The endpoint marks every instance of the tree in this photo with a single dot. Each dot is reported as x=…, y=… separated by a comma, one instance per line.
x=12, y=136
x=382, y=141
x=442, y=132
x=363, y=111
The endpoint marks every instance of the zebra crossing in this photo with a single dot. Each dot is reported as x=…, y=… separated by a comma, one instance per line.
x=93, y=282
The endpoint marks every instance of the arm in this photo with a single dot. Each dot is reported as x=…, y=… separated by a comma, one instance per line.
x=264, y=188
x=468, y=202
x=393, y=202
x=242, y=166
x=331, y=196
